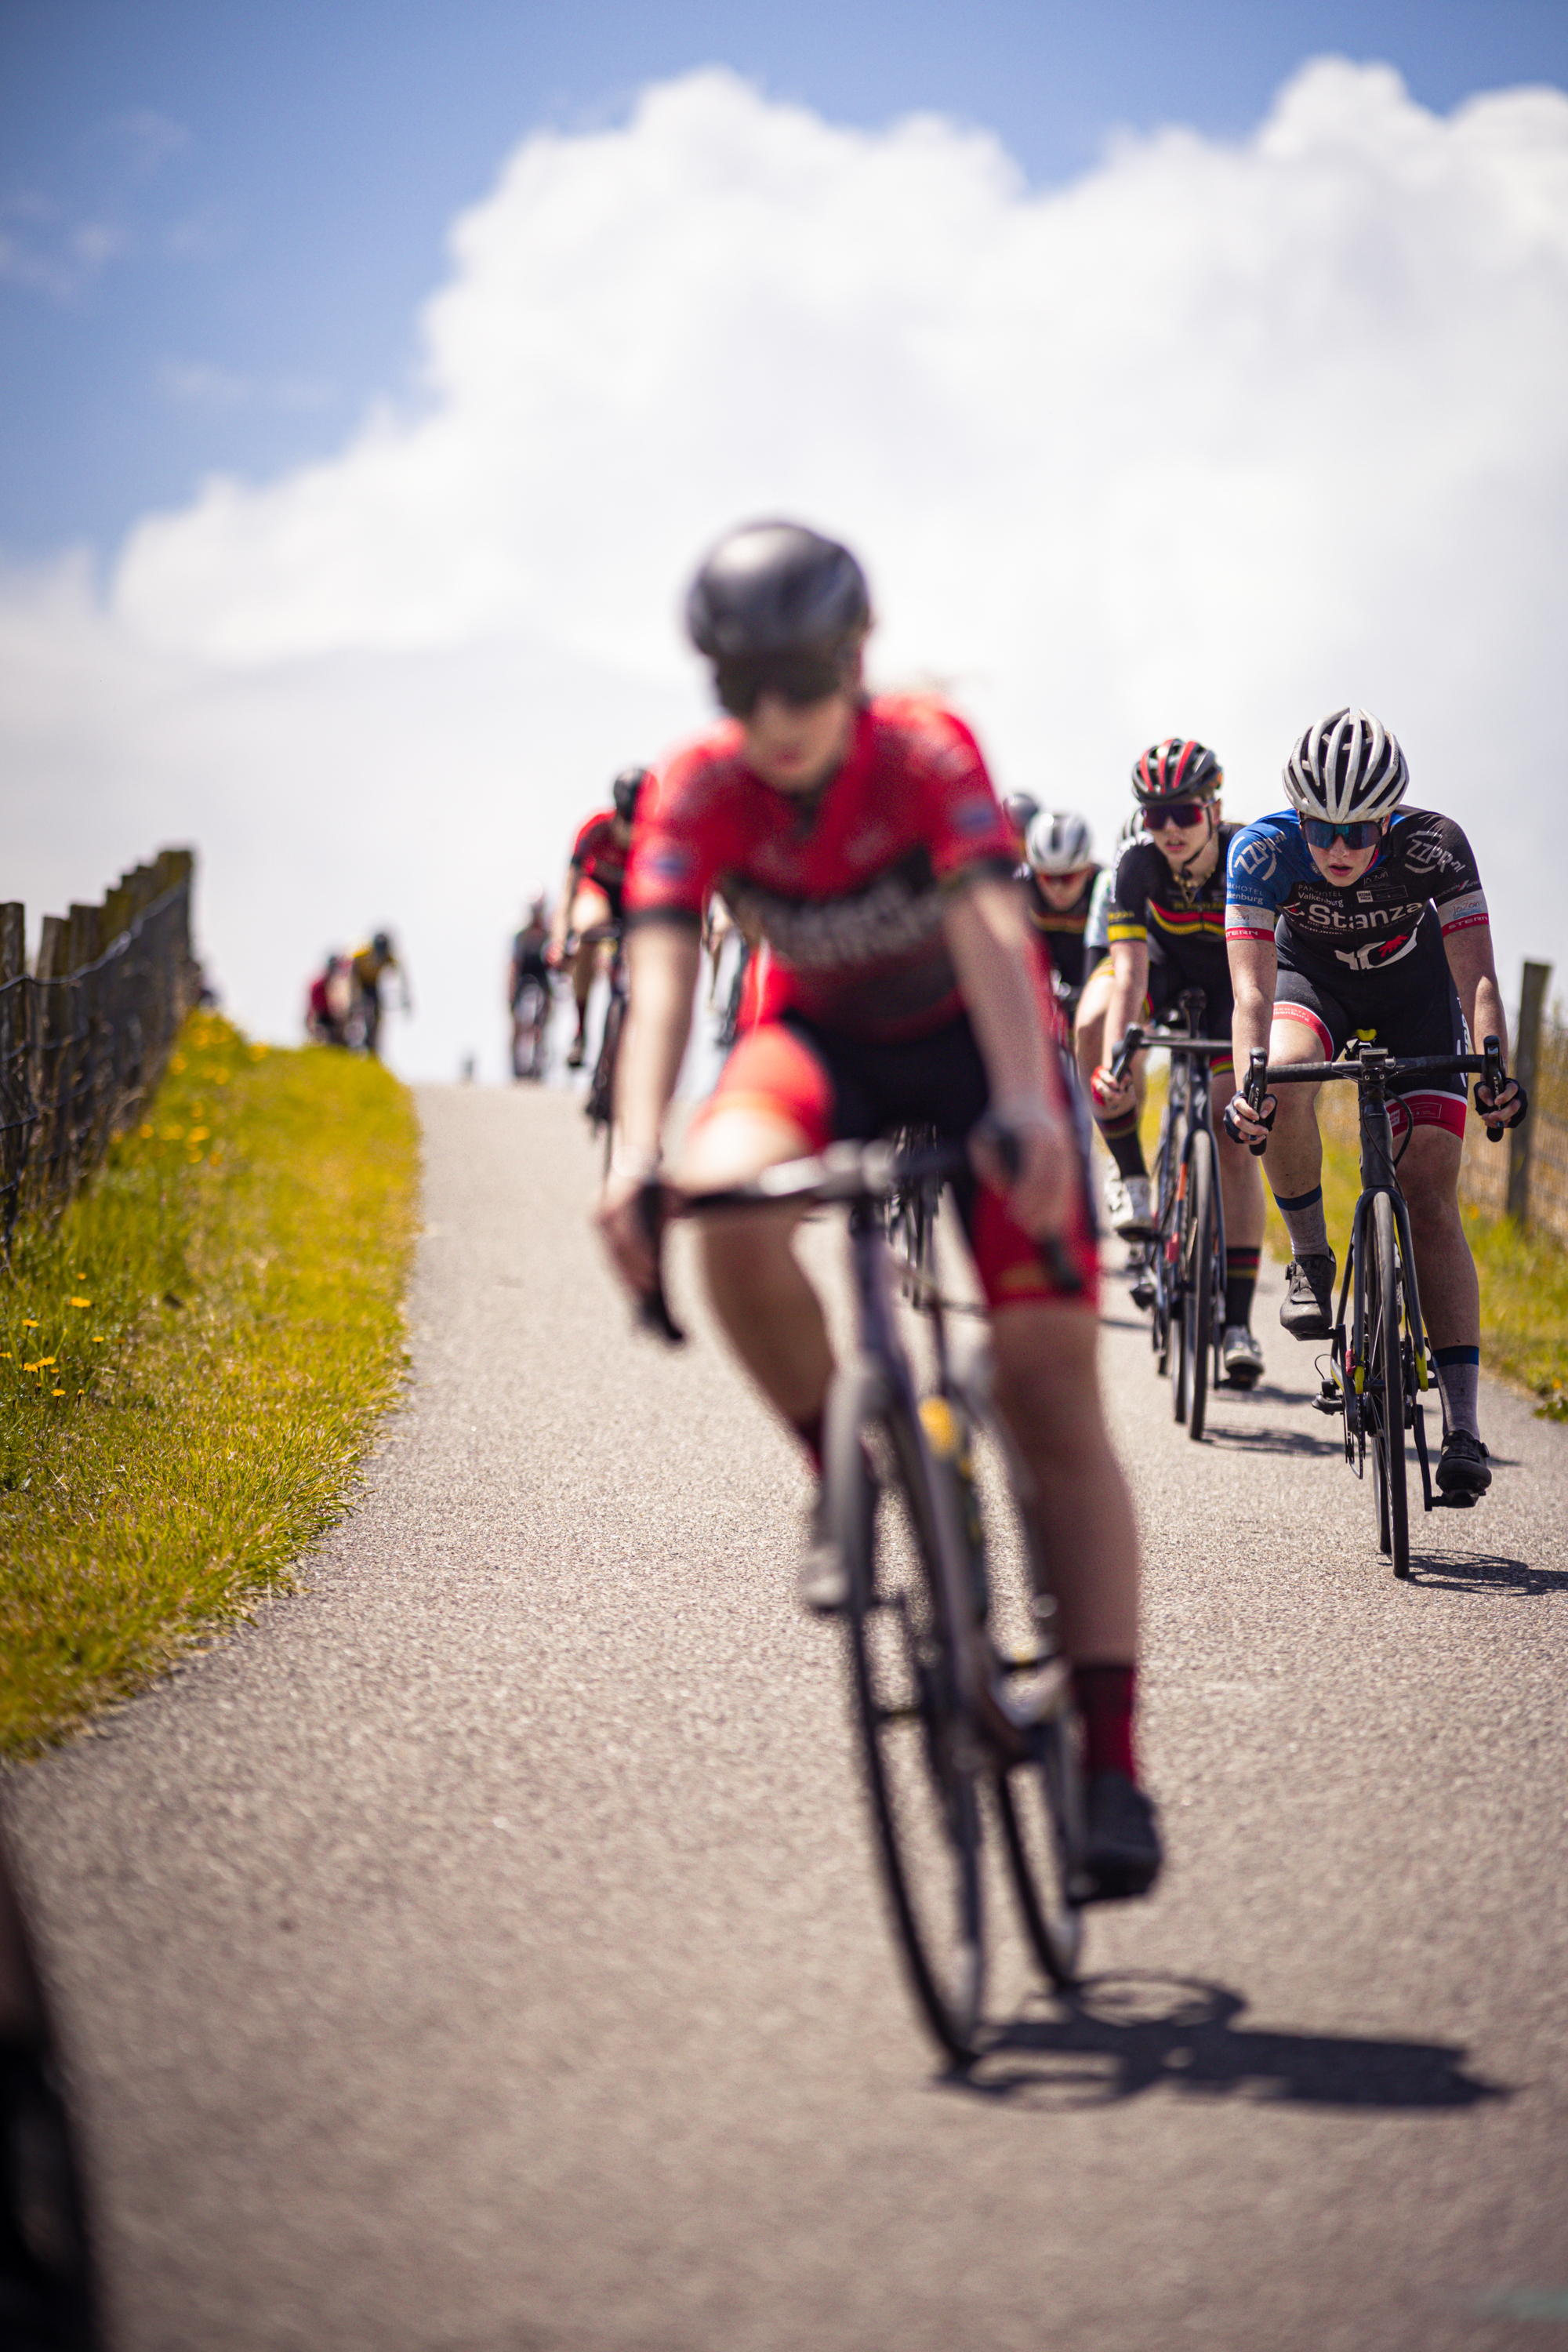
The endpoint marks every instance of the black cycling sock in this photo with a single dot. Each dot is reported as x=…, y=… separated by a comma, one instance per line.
x=1458, y=1381
x=1122, y=1142
x=1240, y=1282
x=1304, y=1223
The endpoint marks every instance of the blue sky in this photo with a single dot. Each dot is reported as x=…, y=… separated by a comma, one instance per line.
x=217, y=220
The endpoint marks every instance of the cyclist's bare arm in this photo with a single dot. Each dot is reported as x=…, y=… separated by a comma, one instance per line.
x=1473, y=965
x=1129, y=987
x=987, y=934
x=1254, y=974
x=663, y=959
x=560, y=921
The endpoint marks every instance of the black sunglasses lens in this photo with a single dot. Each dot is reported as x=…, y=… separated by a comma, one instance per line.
x=1181, y=813
x=797, y=682
x=1358, y=836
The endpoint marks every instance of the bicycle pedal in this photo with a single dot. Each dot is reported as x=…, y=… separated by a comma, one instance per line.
x=1456, y=1502
x=1331, y=1401
x=1142, y=1295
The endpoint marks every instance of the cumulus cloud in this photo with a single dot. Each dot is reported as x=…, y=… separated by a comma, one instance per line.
x=1216, y=438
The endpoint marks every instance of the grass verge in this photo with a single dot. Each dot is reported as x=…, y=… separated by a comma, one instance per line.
x=191, y=1364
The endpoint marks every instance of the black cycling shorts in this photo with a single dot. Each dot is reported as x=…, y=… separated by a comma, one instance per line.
x=1410, y=1007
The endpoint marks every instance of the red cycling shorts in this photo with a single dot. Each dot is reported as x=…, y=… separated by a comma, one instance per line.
x=834, y=1088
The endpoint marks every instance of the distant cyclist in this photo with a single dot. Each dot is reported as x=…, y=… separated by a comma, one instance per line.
x=1167, y=934
x=1061, y=874
x=328, y=1004
x=1352, y=916
x=861, y=838
x=527, y=991
x=591, y=894
x=369, y=966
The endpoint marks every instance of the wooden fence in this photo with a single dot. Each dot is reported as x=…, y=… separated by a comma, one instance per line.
x=84, y=1036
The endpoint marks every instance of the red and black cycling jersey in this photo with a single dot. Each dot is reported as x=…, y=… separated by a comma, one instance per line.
x=1060, y=930
x=1182, y=921
x=849, y=887
x=1424, y=876
x=599, y=856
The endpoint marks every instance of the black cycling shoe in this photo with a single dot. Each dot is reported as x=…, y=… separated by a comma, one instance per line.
x=1463, y=1467
x=1122, y=1850
x=1309, y=1310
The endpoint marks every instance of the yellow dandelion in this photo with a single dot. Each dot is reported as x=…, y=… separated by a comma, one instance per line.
x=100, y=1340
x=145, y=1131
x=31, y=1323
x=172, y=1134
x=57, y=1391
x=176, y=1061
x=198, y=1135
x=79, y=1302
x=32, y=1366
x=45, y=1360
x=5, y=1355
x=220, y=1078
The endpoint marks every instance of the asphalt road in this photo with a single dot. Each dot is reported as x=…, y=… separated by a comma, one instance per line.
x=481, y=1953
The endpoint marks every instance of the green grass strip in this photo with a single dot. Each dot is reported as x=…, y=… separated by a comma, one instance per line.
x=192, y=1362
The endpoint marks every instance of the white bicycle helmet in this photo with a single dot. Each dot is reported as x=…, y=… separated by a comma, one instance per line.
x=1346, y=767
x=1058, y=842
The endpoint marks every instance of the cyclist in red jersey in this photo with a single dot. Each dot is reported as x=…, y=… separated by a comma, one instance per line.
x=862, y=839
x=591, y=894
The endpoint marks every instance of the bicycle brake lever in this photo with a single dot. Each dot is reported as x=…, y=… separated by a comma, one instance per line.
x=1254, y=1091
x=1494, y=1078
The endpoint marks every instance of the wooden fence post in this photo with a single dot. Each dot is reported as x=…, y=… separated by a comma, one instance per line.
x=1526, y=1064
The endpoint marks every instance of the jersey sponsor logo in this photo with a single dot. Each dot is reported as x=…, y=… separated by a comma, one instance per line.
x=896, y=914
x=973, y=815
x=1376, y=953
x=1254, y=856
x=666, y=861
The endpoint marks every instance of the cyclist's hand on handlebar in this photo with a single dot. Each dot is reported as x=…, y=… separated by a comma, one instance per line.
x=1509, y=1107
x=1111, y=1094
x=1245, y=1125
x=1027, y=1151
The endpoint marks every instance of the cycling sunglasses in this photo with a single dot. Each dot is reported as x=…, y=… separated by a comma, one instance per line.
x=1359, y=835
x=1158, y=815
x=798, y=680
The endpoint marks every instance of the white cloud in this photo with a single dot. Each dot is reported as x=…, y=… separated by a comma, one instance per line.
x=1212, y=439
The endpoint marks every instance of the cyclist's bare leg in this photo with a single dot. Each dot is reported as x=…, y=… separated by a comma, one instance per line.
x=590, y=908
x=1048, y=1387
x=1451, y=1291
x=770, y=1312
x=1295, y=1158
x=1240, y=1177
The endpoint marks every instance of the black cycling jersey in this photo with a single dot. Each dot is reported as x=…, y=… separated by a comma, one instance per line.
x=1423, y=879
x=1182, y=923
x=528, y=959
x=1060, y=930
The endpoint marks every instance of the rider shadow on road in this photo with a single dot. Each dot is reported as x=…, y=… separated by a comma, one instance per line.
x=1272, y=1439
x=1483, y=1571
x=1123, y=2035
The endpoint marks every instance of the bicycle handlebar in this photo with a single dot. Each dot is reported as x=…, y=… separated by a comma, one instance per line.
x=1375, y=1062
x=1176, y=1040
x=843, y=1175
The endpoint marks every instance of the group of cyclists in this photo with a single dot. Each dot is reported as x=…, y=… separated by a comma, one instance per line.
x=925, y=955
x=343, y=1004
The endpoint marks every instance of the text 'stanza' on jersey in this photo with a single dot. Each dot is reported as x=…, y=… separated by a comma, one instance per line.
x=1425, y=867
x=848, y=887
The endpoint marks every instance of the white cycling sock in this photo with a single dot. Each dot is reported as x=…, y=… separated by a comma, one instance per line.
x=1304, y=1223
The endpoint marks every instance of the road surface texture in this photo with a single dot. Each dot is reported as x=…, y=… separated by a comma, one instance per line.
x=483, y=1952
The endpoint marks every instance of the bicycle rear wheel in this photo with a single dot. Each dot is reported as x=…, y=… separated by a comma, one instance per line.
x=1383, y=1401
x=1198, y=1239
x=923, y=1775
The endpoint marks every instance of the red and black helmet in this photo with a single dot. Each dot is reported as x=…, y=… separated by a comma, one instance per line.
x=1176, y=770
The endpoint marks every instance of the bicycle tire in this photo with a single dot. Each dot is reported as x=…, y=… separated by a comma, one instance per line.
x=1383, y=1359
x=1198, y=1243
x=921, y=1785
x=1039, y=1796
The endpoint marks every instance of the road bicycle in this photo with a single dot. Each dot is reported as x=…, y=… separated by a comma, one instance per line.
x=1182, y=1283
x=530, y=1027
x=600, y=1106
x=962, y=1698
x=1380, y=1365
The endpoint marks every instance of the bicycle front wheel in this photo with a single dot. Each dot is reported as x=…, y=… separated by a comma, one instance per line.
x=1198, y=1240
x=921, y=1770
x=1382, y=1358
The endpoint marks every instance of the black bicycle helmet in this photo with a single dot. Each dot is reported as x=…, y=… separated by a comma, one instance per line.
x=776, y=588
x=1346, y=767
x=624, y=790
x=1176, y=770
